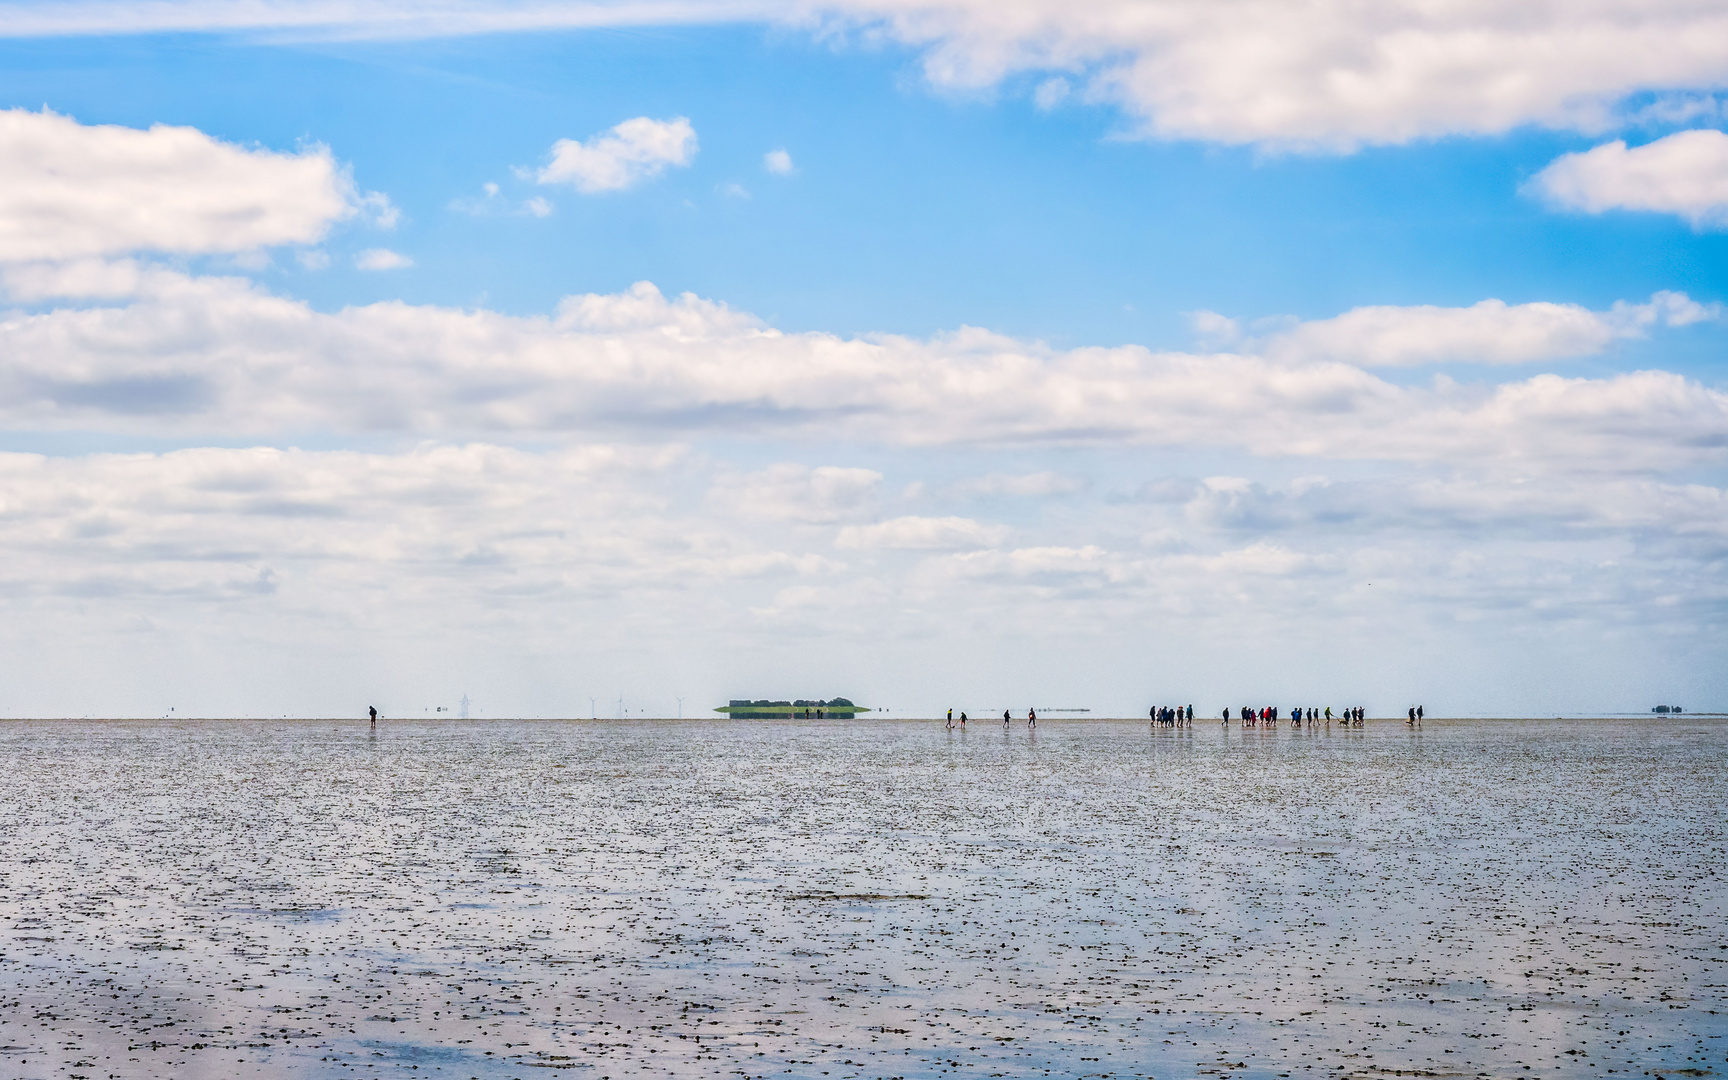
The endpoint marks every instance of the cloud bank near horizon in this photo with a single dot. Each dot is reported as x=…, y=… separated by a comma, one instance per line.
x=463, y=562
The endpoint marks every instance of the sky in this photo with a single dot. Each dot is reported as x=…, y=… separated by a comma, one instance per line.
x=588, y=358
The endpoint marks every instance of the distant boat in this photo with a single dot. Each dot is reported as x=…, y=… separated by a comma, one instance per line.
x=1668, y=709
x=832, y=709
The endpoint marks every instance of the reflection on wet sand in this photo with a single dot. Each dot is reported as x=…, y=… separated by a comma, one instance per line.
x=866, y=899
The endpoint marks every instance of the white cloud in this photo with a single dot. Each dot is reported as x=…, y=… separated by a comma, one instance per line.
x=378, y=209
x=216, y=524
x=1664, y=309
x=633, y=151
x=477, y=205
x=1331, y=75
x=95, y=279
x=1051, y=93
x=778, y=162
x=1045, y=563
x=71, y=191
x=381, y=259
x=1675, y=109
x=1033, y=484
x=417, y=568
x=1685, y=174
x=922, y=534
x=1489, y=332
x=1327, y=75
x=793, y=492
x=490, y=201
x=217, y=355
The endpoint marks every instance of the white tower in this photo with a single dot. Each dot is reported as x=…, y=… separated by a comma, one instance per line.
x=464, y=706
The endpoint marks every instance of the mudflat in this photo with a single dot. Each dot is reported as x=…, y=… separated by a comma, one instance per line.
x=863, y=898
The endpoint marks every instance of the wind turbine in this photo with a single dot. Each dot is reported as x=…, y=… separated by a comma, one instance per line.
x=680, y=708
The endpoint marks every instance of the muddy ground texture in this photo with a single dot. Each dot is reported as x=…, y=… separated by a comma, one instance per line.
x=862, y=899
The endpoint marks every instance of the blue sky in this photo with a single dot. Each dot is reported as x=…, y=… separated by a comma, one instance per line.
x=1222, y=374
x=912, y=211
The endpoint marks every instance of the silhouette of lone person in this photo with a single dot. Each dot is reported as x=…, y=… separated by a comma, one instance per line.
x=373, y=709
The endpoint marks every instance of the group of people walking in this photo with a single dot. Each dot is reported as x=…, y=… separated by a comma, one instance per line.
x=1299, y=717
x=1165, y=716
x=1183, y=716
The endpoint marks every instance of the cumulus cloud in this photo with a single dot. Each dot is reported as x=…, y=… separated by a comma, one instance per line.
x=1322, y=76
x=69, y=191
x=221, y=355
x=1325, y=75
x=922, y=534
x=1489, y=332
x=794, y=492
x=1685, y=174
x=1034, y=484
x=381, y=259
x=629, y=153
x=87, y=278
x=778, y=162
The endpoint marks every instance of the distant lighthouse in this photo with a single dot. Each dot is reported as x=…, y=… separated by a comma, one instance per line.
x=464, y=706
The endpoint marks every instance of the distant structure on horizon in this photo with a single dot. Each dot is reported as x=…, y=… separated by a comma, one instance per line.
x=1667, y=708
x=834, y=708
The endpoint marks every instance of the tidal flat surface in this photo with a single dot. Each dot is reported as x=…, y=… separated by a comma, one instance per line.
x=862, y=899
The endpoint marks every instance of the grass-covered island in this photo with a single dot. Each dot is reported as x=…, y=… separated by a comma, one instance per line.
x=834, y=708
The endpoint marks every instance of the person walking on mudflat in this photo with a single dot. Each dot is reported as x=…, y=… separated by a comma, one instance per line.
x=373, y=709
x=1031, y=718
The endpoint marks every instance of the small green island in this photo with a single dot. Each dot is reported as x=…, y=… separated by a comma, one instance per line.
x=832, y=709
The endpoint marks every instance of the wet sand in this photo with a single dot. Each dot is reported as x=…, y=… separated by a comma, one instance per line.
x=862, y=899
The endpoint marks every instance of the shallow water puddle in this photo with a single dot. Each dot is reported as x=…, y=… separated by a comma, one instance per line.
x=865, y=899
